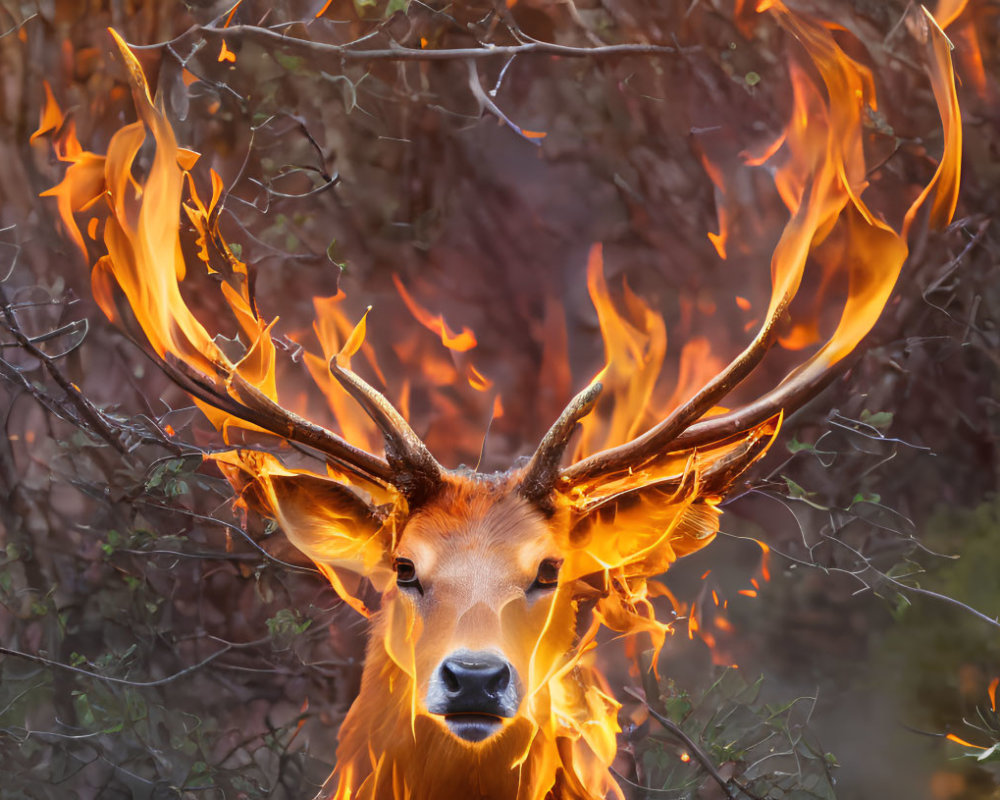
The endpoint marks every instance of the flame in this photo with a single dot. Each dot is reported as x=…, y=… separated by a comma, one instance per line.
x=953, y=738
x=966, y=24
x=459, y=342
x=627, y=527
x=65, y=144
x=635, y=347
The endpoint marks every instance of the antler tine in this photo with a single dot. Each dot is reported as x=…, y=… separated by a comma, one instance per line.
x=283, y=422
x=658, y=438
x=794, y=393
x=253, y=406
x=415, y=472
x=543, y=469
x=715, y=478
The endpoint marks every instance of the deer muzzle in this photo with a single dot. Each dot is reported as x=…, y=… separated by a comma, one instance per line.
x=474, y=691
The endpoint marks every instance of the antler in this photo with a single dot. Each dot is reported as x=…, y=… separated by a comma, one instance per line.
x=409, y=465
x=245, y=401
x=542, y=472
x=659, y=438
x=415, y=472
x=715, y=479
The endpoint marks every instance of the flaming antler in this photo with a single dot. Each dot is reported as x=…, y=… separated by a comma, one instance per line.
x=821, y=179
x=542, y=472
x=246, y=402
x=415, y=472
x=824, y=178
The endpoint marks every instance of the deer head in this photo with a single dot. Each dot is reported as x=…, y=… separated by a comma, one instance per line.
x=493, y=586
x=476, y=648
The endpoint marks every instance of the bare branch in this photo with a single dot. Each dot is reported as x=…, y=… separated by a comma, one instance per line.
x=396, y=52
x=107, y=678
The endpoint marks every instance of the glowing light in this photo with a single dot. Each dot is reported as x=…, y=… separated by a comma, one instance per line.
x=953, y=738
x=459, y=342
x=232, y=13
x=478, y=381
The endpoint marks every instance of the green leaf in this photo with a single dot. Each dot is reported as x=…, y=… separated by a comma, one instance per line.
x=84, y=711
x=114, y=541
x=900, y=605
x=291, y=63
x=860, y=497
x=796, y=492
x=287, y=623
x=677, y=708
x=795, y=446
x=177, y=488
x=878, y=419
x=157, y=477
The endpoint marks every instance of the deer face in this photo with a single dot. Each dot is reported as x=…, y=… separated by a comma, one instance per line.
x=479, y=574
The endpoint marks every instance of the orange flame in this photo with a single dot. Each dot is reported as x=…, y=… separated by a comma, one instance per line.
x=953, y=738
x=459, y=342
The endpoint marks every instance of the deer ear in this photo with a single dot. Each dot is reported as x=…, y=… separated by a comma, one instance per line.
x=643, y=531
x=326, y=520
x=329, y=521
x=643, y=528
x=335, y=527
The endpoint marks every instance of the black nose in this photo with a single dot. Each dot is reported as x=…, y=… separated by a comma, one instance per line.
x=475, y=681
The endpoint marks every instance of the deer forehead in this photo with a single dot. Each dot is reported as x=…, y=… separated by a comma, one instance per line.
x=480, y=532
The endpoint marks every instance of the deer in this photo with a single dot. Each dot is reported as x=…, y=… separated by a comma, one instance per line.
x=478, y=679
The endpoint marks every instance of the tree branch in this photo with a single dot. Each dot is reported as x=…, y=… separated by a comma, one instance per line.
x=397, y=52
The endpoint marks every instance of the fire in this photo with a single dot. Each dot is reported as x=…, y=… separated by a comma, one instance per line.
x=965, y=23
x=633, y=522
x=460, y=342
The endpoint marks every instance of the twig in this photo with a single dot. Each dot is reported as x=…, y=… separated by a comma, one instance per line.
x=695, y=751
x=107, y=678
x=486, y=104
x=88, y=411
x=230, y=526
x=397, y=52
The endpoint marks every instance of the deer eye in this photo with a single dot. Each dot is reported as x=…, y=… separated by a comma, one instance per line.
x=406, y=574
x=548, y=575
